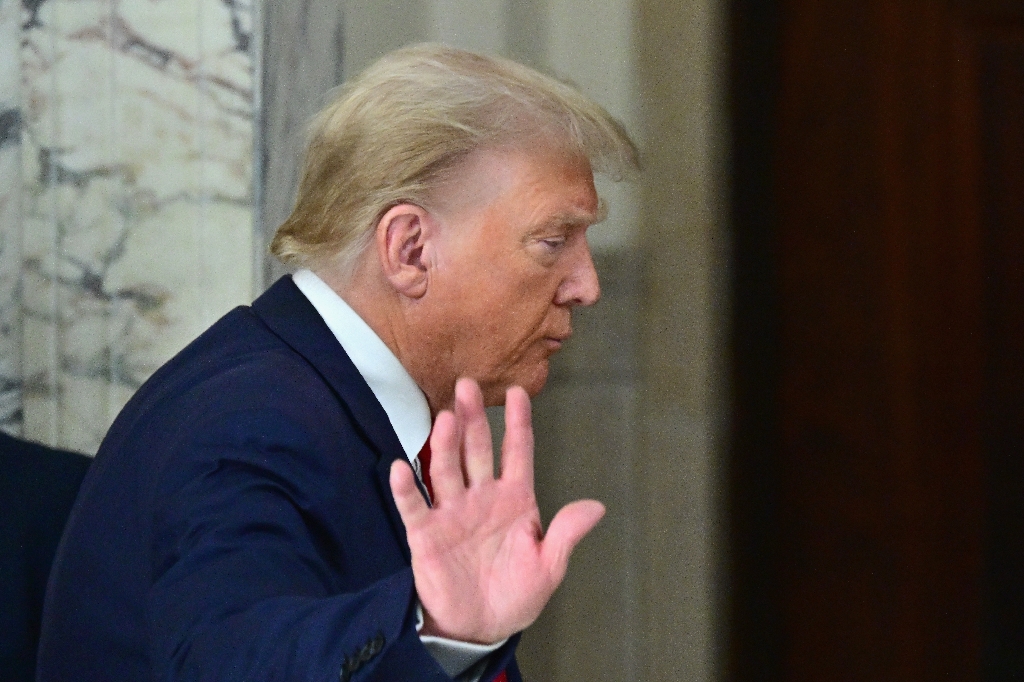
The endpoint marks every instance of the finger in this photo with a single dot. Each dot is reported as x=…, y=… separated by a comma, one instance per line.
x=445, y=468
x=411, y=505
x=478, y=447
x=517, y=446
x=570, y=524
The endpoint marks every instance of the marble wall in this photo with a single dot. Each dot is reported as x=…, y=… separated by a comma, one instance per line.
x=126, y=213
x=10, y=214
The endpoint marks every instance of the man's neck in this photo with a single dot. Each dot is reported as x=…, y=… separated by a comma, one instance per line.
x=394, y=321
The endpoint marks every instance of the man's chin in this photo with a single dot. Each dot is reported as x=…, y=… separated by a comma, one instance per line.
x=531, y=381
x=534, y=381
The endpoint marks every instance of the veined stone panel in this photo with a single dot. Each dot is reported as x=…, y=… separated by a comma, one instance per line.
x=137, y=202
x=10, y=215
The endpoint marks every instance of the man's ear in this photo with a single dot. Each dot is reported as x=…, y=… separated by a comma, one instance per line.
x=402, y=235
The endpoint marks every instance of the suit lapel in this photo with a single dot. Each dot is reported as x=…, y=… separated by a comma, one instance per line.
x=290, y=315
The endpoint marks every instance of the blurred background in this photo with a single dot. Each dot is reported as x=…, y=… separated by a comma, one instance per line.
x=802, y=394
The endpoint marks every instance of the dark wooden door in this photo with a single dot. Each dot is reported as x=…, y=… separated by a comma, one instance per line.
x=877, y=475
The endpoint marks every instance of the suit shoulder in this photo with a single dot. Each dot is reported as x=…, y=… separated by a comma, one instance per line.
x=238, y=364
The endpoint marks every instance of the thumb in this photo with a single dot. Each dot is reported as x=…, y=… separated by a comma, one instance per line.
x=570, y=524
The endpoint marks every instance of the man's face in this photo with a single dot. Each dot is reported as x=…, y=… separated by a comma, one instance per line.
x=512, y=260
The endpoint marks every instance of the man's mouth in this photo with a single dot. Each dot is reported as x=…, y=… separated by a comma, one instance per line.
x=555, y=342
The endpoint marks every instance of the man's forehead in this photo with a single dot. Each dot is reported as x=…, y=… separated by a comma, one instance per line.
x=486, y=173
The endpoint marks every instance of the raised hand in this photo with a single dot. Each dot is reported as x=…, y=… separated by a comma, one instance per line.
x=483, y=566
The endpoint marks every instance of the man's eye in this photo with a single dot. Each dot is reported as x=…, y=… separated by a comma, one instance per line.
x=554, y=242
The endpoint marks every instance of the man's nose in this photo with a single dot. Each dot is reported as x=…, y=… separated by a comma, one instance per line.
x=581, y=287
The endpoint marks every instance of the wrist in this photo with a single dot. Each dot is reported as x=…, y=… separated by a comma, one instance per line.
x=427, y=626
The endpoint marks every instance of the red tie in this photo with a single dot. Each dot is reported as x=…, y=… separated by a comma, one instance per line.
x=424, y=457
x=425, y=468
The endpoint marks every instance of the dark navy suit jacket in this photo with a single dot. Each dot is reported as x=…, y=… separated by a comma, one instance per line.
x=238, y=523
x=37, y=489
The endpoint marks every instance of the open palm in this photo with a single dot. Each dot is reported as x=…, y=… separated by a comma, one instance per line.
x=482, y=564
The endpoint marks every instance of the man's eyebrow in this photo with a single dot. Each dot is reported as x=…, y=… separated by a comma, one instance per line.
x=578, y=219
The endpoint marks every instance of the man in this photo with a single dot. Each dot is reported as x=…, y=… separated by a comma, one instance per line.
x=38, y=485
x=252, y=514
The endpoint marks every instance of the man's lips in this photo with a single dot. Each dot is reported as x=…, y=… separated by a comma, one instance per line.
x=555, y=342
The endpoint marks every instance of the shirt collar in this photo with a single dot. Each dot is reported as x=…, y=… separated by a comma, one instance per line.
x=395, y=389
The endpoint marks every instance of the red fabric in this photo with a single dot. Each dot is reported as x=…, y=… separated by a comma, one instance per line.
x=425, y=468
x=425, y=475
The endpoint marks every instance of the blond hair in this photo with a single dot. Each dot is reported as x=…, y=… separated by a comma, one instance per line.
x=396, y=132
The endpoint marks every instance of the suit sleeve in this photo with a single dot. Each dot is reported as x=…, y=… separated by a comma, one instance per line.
x=246, y=583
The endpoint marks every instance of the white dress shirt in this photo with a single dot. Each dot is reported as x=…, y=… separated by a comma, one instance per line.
x=409, y=414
